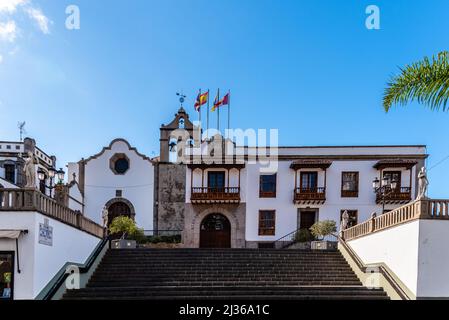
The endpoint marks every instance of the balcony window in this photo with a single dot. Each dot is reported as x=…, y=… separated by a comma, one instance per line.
x=216, y=179
x=349, y=184
x=267, y=186
x=309, y=180
x=267, y=222
x=393, y=175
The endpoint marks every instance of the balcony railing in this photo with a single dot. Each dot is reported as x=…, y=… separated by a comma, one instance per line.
x=397, y=196
x=33, y=200
x=310, y=195
x=215, y=195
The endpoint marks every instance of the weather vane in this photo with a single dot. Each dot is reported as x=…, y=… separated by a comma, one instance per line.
x=182, y=97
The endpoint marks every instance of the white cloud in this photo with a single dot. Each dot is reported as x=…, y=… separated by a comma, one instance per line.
x=41, y=20
x=8, y=31
x=1, y=60
x=10, y=6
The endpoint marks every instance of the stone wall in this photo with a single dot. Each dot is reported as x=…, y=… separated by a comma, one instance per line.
x=170, y=201
x=194, y=215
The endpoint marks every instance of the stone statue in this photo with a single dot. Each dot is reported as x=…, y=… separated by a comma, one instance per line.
x=30, y=171
x=423, y=183
x=344, y=220
x=105, y=216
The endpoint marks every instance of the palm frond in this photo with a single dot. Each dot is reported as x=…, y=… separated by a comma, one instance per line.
x=426, y=82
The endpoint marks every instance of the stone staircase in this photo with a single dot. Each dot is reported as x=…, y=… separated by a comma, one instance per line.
x=232, y=274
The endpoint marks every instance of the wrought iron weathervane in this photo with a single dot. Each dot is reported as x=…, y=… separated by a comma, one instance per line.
x=182, y=97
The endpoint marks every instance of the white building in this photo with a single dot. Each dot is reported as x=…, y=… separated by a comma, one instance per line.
x=12, y=160
x=235, y=204
x=118, y=178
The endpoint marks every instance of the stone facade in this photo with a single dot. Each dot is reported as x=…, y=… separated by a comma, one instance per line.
x=170, y=197
x=194, y=214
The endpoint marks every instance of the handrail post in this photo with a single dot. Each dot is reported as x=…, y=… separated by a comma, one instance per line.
x=423, y=209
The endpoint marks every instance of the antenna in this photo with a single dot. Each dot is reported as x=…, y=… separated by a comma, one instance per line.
x=21, y=126
x=181, y=97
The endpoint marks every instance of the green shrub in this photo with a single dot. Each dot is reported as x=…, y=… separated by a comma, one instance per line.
x=125, y=225
x=323, y=228
x=303, y=235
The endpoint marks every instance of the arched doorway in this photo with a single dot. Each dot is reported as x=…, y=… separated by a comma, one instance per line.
x=215, y=232
x=117, y=209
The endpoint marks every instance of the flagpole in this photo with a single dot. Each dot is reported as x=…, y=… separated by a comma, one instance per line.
x=207, y=120
x=218, y=115
x=199, y=108
x=229, y=110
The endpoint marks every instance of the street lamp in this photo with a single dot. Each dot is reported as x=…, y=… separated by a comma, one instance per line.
x=52, y=172
x=384, y=188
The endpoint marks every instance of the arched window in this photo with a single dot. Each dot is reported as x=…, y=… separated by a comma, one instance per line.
x=181, y=124
x=173, y=150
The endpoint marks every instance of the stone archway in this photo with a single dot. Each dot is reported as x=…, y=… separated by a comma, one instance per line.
x=119, y=207
x=194, y=216
x=215, y=231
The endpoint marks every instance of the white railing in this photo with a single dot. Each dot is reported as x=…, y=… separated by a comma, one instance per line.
x=419, y=209
x=33, y=200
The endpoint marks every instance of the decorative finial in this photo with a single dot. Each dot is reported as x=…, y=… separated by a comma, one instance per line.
x=181, y=97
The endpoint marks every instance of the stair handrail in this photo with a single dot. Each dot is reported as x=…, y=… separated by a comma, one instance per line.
x=47, y=293
x=388, y=274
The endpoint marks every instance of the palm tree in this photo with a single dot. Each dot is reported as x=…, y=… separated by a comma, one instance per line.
x=426, y=81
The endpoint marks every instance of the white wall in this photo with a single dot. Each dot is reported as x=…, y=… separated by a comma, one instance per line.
x=433, y=266
x=396, y=247
x=137, y=184
x=417, y=252
x=39, y=263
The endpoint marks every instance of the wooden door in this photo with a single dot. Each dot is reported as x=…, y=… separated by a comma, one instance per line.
x=307, y=219
x=215, y=232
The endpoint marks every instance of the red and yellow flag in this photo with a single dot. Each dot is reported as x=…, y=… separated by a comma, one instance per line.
x=223, y=102
x=200, y=100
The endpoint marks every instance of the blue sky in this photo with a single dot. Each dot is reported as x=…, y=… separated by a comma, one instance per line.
x=309, y=68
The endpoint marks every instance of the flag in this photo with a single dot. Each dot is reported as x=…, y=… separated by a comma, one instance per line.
x=223, y=102
x=200, y=100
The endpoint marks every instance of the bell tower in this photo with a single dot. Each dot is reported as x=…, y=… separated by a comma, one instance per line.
x=170, y=133
x=170, y=175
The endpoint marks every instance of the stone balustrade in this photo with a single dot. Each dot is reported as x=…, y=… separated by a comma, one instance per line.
x=33, y=200
x=419, y=209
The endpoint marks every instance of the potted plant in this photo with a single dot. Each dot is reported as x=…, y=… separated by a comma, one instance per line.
x=321, y=230
x=125, y=228
x=302, y=239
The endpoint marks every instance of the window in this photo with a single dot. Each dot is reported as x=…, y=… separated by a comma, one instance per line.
x=6, y=275
x=267, y=222
x=118, y=193
x=353, y=217
x=349, y=184
x=216, y=179
x=119, y=163
x=267, y=186
x=309, y=180
x=121, y=166
x=393, y=175
x=10, y=173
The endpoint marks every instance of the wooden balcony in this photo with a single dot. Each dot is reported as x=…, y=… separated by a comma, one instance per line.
x=309, y=195
x=203, y=195
x=398, y=196
x=17, y=200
